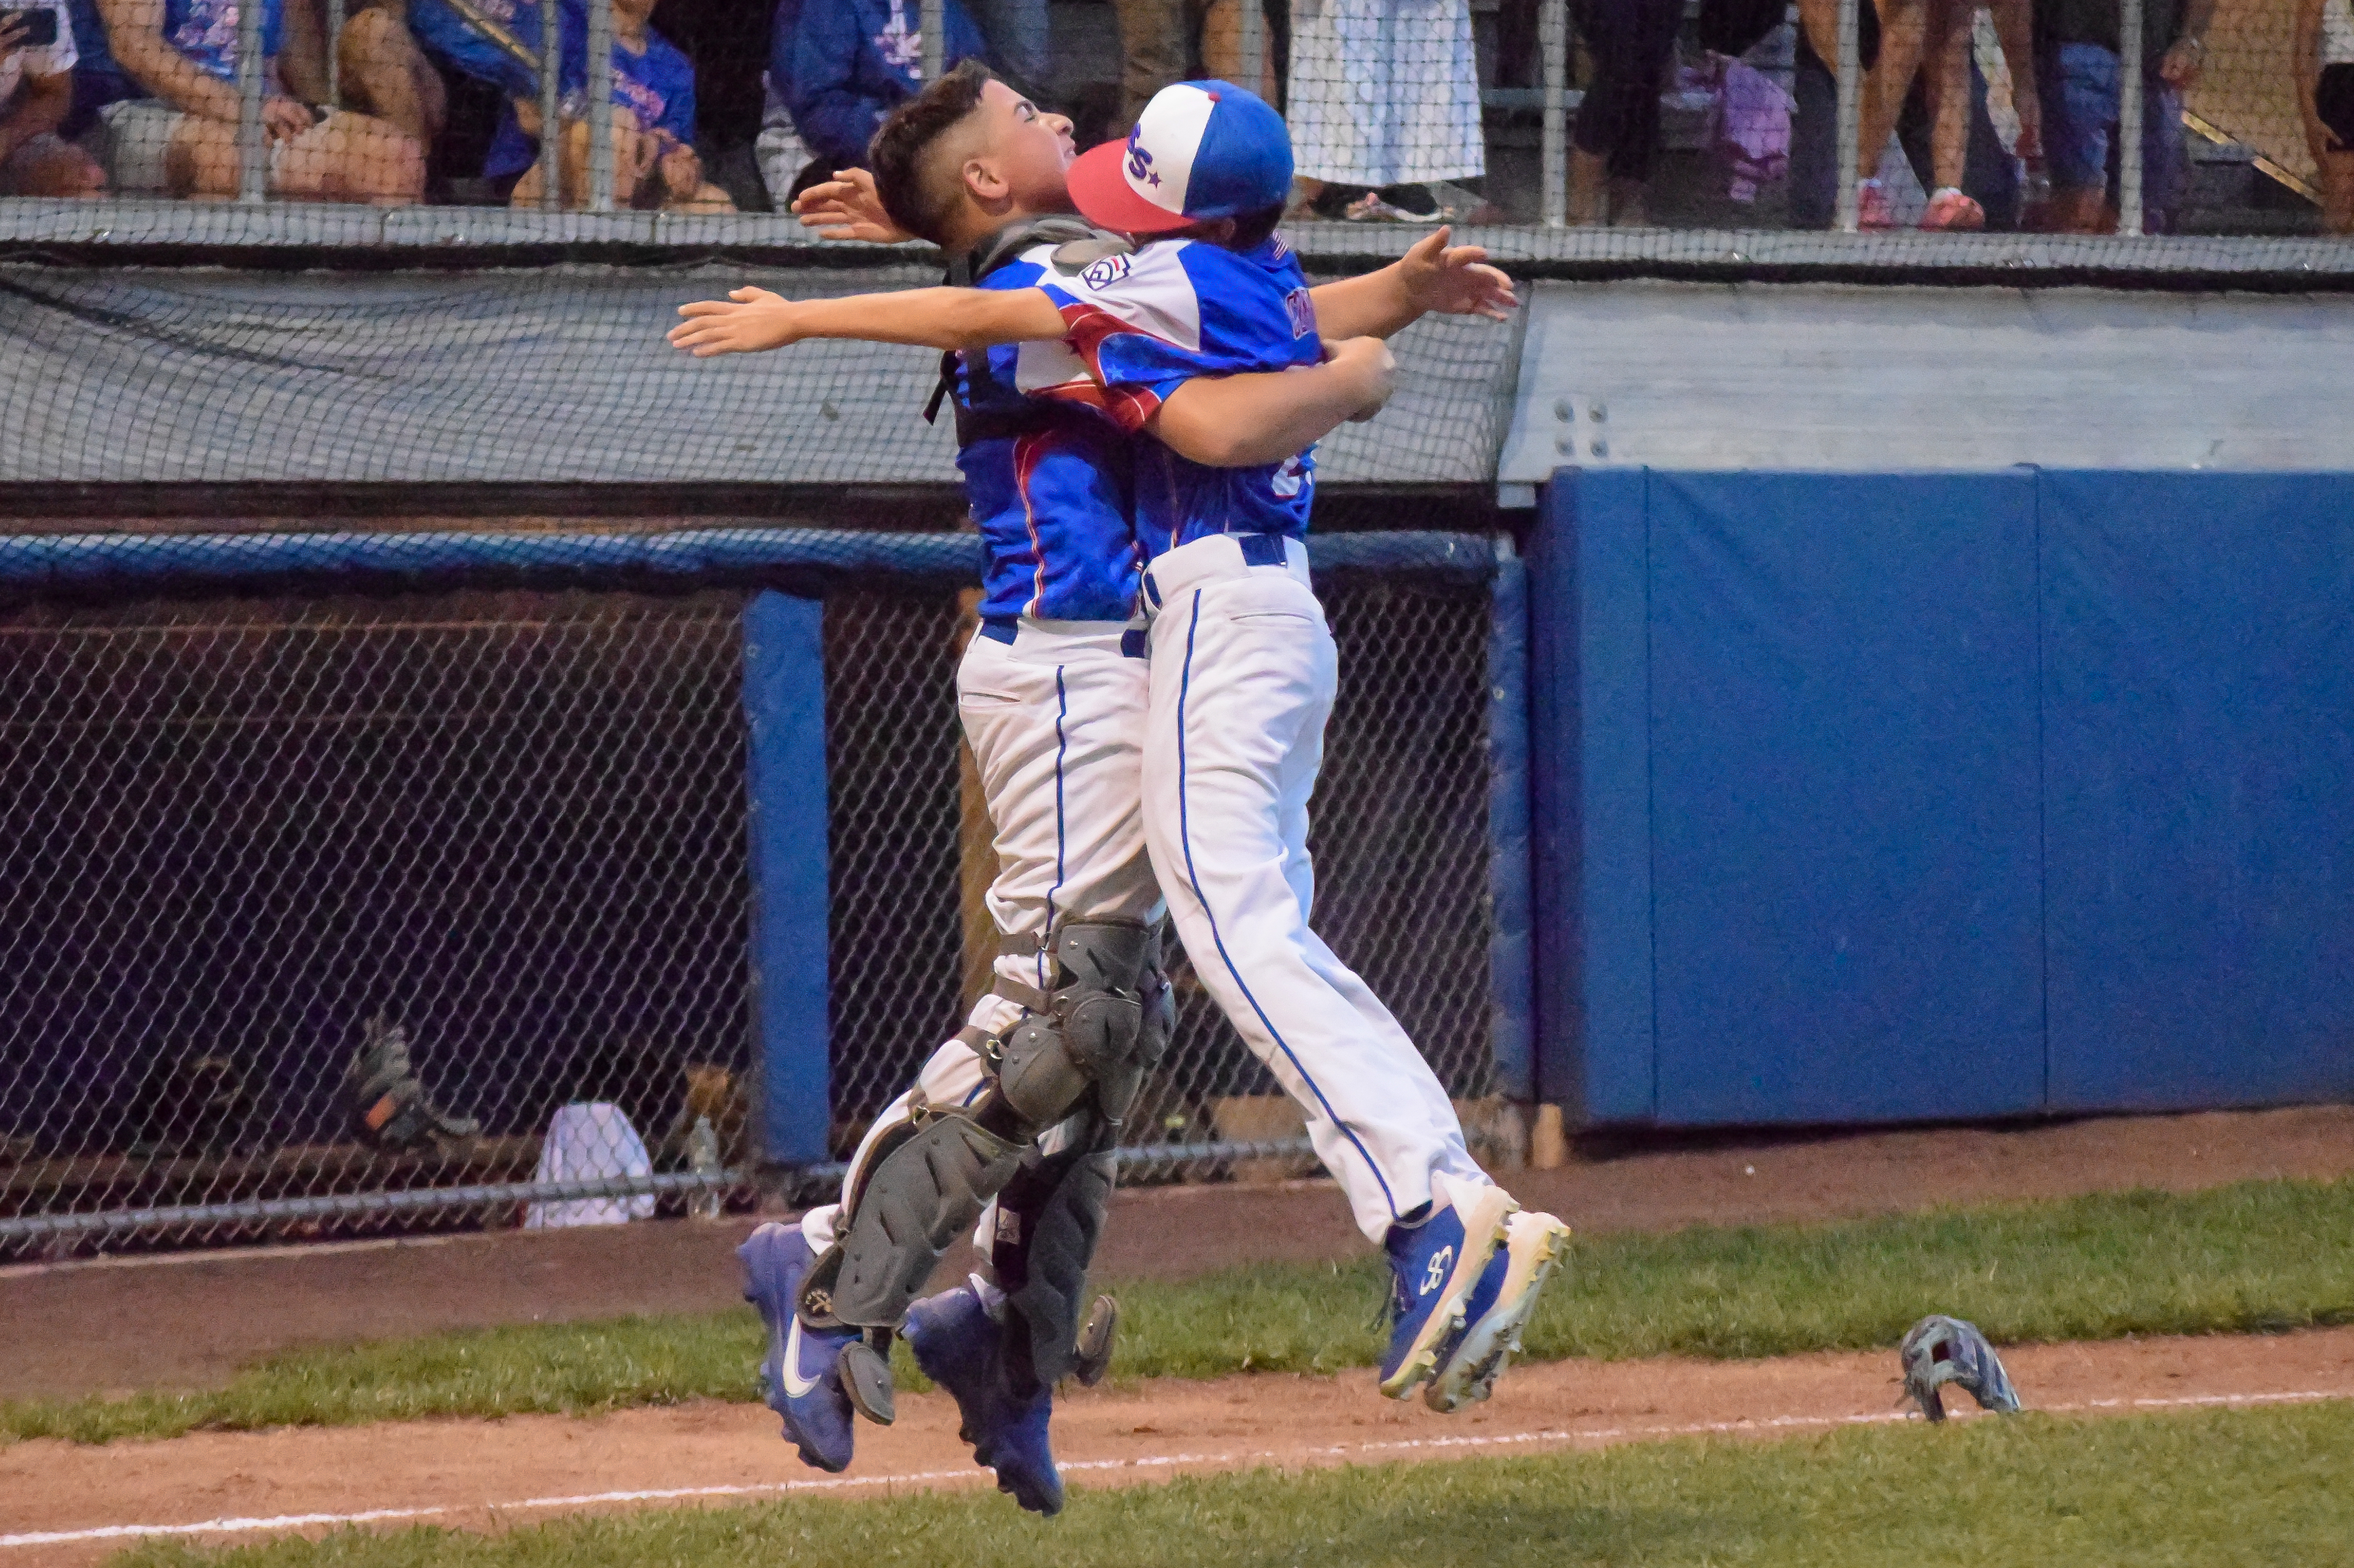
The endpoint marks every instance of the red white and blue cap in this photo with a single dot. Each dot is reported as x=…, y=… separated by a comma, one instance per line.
x=1200, y=150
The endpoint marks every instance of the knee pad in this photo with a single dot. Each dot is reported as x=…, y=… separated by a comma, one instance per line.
x=1091, y=1028
x=926, y=1190
x=1050, y=1217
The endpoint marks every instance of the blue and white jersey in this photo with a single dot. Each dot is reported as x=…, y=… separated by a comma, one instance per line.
x=1143, y=325
x=1049, y=484
x=203, y=31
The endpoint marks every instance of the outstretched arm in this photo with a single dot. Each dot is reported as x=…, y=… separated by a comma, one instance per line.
x=1246, y=421
x=750, y=319
x=1431, y=278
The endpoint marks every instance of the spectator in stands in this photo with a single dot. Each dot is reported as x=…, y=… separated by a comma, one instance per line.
x=162, y=92
x=1166, y=41
x=37, y=61
x=654, y=161
x=842, y=65
x=1619, y=121
x=2076, y=53
x=1384, y=105
x=2325, y=76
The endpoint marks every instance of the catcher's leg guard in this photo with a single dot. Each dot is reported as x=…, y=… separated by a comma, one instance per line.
x=1050, y=1218
x=1086, y=1032
x=926, y=1190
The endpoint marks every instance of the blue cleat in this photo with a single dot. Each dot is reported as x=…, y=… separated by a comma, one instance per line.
x=1435, y=1261
x=1499, y=1307
x=961, y=1347
x=801, y=1376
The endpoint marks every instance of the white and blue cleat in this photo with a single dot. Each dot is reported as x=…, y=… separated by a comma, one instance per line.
x=800, y=1375
x=1435, y=1263
x=961, y=1347
x=1499, y=1307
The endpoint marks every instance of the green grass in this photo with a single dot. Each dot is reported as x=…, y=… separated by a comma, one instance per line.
x=2273, y=1487
x=2259, y=1257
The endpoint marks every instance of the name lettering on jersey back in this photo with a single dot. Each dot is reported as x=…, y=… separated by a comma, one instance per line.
x=1302, y=311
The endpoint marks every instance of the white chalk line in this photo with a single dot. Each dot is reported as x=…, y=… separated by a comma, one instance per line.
x=286, y=1521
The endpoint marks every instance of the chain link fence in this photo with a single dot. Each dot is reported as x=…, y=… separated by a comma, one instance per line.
x=247, y=839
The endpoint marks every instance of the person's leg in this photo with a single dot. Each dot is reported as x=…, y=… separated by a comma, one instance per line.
x=344, y=157
x=2077, y=85
x=2165, y=160
x=383, y=72
x=1630, y=162
x=1946, y=76
x=1156, y=44
x=1222, y=46
x=48, y=166
x=1243, y=676
x=2331, y=133
x=1814, y=141
x=1989, y=171
x=1612, y=30
x=1904, y=25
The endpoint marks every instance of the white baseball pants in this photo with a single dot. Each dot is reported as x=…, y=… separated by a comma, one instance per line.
x=1055, y=720
x=1243, y=680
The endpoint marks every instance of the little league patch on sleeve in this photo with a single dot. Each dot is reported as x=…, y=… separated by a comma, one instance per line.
x=1302, y=310
x=1103, y=274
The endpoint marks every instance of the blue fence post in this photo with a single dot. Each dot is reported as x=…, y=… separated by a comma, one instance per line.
x=1510, y=970
x=784, y=706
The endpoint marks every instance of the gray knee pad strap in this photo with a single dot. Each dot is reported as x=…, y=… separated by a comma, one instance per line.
x=923, y=1194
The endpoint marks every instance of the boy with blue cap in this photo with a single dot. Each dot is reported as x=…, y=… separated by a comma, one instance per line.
x=1145, y=341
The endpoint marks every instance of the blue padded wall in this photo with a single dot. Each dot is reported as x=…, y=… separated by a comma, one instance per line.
x=1891, y=798
x=1846, y=916
x=2198, y=685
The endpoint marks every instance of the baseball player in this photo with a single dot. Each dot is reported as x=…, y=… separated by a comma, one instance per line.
x=1078, y=695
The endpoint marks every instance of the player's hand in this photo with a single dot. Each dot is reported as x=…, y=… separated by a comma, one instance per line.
x=1454, y=281
x=846, y=207
x=12, y=32
x=747, y=322
x=1368, y=361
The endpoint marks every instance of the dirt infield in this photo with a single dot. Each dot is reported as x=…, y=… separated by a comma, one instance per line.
x=190, y=1321
x=71, y=1505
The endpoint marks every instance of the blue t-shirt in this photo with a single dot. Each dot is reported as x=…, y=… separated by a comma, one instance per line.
x=840, y=66
x=655, y=90
x=203, y=30
x=1145, y=325
x=1052, y=496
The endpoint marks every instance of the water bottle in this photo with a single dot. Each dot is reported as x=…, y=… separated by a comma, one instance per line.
x=702, y=1157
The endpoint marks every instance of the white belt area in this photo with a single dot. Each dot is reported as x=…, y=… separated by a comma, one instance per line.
x=1220, y=557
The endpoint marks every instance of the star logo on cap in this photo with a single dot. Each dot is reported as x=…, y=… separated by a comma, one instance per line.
x=1153, y=179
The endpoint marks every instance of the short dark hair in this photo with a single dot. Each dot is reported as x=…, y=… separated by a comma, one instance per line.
x=906, y=136
x=1253, y=230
